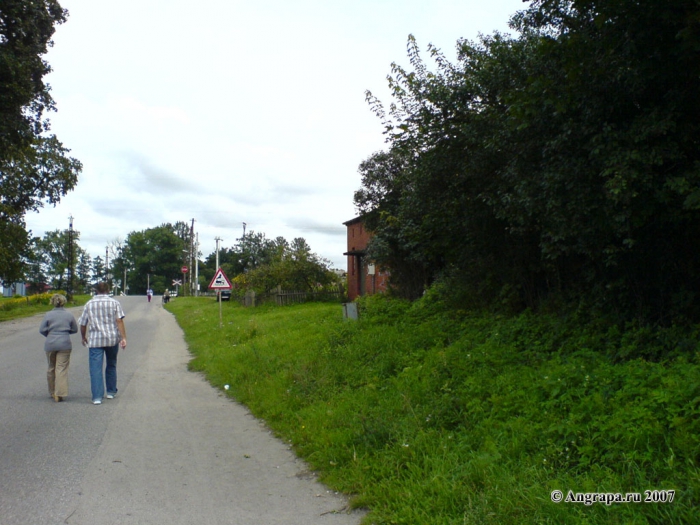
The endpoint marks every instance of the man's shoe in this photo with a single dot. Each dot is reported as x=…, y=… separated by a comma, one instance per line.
x=96, y=401
x=56, y=398
x=110, y=396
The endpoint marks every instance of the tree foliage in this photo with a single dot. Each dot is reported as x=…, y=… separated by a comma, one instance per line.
x=248, y=253
x=49, y=263
x=26, y=28
x=97, y=270
x=262, y=264
x=561, y=162
x=151, y=257
x=34, y=166
x=293, y=267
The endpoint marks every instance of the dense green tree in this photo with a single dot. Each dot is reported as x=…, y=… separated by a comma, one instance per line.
x=26, y=28
x=291, y=266
x=49, y=259
x=303, y=270
x=14, y=250
x=562, y=161
x=249, y=253
x=151, y=257
x=83, y=271
x=253, y=250
x=34, y=166
x=97, y=272
x=256, y=262
x=35, y=268
x=385, y=179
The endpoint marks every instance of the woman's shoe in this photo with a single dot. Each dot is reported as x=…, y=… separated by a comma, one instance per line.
x=56, y=398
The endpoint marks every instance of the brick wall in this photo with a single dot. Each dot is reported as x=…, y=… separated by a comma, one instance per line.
x=361, y=280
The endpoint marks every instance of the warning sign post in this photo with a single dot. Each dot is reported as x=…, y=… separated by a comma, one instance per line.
x=220, y=282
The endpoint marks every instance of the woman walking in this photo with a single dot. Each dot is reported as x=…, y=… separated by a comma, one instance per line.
x=57, y=326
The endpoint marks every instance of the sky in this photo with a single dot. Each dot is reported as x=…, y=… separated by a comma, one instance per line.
x=230, y=112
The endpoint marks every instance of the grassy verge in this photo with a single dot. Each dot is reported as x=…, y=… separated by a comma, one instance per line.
x=15, y=308
x=430, y=418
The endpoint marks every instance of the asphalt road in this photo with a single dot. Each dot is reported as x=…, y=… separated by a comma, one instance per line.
x=169, y=449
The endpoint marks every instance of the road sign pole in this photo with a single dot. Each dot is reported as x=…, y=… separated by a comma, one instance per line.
x=220, y=282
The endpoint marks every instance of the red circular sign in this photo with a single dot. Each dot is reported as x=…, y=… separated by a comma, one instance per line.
x=184, y=269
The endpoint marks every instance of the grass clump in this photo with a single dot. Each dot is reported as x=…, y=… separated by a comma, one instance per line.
x=435, y=417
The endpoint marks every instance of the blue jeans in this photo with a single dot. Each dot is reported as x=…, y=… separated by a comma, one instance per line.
x=97, y=380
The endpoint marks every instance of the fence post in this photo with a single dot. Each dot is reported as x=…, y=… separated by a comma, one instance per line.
x=250, y=298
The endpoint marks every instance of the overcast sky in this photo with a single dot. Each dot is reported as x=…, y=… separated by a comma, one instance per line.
x=228, y=111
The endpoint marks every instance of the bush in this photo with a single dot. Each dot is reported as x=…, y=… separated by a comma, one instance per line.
x=18, y=301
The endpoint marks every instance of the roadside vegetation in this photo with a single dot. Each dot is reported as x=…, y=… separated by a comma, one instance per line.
x=434, y=416
x=17, y=307
x=538, y=209
x=558, y=162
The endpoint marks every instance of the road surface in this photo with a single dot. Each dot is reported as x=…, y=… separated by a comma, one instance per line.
x=169, y=449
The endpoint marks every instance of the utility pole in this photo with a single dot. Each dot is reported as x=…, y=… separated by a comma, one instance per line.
x=244, y=225
x=217, y=239
x=191, y=257
x=69, y=285
x=196, y=266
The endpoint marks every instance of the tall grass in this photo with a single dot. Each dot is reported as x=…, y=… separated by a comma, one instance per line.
x=429, y=417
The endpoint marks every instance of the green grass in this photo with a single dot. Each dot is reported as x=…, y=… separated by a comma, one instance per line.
x=15, y=308
x=434, y=418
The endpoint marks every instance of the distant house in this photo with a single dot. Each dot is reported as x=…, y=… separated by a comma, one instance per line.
x=364, y=278
x=14, y=289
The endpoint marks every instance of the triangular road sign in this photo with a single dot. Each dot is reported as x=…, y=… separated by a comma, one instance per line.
x=220, y=281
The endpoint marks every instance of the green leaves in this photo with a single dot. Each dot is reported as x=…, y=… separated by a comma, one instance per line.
x=560, y=162
x=153, y=257
x=36, y=174
x=26, y=28
x=34, y=167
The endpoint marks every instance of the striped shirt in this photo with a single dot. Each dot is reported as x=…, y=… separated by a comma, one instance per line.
x=102, y=312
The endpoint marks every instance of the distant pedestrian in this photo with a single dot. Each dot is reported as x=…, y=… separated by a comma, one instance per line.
x=107, y=333
x=149, y=294
x=166, y=297
x=57, y=326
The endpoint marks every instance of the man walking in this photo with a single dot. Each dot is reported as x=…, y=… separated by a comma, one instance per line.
x=107, y=333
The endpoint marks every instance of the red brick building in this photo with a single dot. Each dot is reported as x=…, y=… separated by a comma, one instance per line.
x=364, y=278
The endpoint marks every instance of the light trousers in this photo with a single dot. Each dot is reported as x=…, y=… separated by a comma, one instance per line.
x=57, y=374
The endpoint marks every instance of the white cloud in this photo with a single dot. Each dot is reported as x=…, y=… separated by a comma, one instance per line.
x=137, y=111
x=228, y=111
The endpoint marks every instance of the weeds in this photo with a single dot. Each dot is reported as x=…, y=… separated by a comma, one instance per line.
x=435, y=418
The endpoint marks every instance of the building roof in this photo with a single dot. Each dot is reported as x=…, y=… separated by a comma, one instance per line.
x=353, y=221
